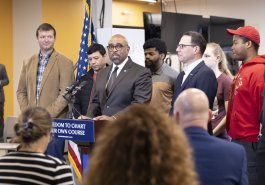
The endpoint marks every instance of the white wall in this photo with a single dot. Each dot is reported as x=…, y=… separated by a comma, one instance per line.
x=251, y=11
x=24, y=39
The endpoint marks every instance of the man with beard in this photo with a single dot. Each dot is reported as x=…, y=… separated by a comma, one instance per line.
x=121, y=84
x=163, y=76
x=245, y=97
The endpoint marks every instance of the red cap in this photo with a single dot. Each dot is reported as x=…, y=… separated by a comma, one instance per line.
x=247, y=31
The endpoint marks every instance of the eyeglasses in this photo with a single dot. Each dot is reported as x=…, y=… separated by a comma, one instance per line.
x=181, y=46
x=117, y=47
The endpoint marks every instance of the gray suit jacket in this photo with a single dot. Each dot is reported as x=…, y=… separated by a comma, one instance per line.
x=133, y=85
x=3, y=82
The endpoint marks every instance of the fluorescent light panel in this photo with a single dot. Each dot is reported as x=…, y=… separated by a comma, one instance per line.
x=150, y=1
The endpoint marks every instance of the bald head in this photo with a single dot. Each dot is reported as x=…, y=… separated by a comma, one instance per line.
x=119, y=37
x=191, y=108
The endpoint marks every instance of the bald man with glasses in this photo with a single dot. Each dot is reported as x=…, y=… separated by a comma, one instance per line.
x=195, y=73
x=120, y=84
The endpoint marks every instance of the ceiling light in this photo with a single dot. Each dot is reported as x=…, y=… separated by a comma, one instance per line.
x=149, y=1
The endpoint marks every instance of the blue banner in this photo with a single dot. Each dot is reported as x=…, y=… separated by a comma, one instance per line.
x=76, y=130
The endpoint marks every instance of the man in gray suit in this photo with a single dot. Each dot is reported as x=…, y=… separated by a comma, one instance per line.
x=3, y=82
x=120, y=84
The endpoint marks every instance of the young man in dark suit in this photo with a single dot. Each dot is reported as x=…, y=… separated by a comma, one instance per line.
x=121, y=84
x=218, y=162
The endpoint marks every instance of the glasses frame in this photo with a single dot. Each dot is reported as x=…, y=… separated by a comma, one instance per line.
x=117, y=47
x=181, y=46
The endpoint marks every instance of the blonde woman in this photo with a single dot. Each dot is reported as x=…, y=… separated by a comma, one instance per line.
x=214, y=57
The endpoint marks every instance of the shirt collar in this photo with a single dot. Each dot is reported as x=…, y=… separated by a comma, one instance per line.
x=187, y=68
x=160, y=70
x=121, y=65
x=47, y=56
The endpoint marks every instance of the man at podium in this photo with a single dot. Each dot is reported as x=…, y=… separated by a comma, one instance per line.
x=120, y=84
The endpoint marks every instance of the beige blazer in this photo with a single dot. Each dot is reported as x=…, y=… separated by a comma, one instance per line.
x=58, y=74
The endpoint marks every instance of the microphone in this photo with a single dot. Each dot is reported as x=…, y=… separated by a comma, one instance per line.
x=70, y=88
x=79, y=87
x=74, y=88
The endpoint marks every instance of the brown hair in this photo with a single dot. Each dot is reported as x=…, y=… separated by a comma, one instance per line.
x=32, y=124
x=222, y=65
x=45, y=27
x=142, y=146
x=197, y=39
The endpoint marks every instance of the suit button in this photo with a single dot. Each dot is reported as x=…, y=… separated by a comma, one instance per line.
x=107, y=107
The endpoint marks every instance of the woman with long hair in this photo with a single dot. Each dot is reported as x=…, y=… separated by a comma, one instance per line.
x=141, y=147
x=214, y=57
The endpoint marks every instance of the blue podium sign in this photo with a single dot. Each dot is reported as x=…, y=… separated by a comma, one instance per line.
x=74, y=129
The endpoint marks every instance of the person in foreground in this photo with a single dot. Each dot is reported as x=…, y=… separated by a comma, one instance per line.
x=29, y=165
x=143, y=146
x=218, y=162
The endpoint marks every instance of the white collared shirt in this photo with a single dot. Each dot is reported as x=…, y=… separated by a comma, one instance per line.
x=189, y=67
x=120, y=66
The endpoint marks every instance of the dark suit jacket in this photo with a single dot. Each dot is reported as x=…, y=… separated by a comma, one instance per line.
x=201, y=77
x=133, y=85
x=82, y=97
x=3, y=82
x=218, y=162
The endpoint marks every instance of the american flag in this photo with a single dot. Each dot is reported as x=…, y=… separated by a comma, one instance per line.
x=88, y=36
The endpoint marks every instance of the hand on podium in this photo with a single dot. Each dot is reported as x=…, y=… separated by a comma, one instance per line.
x=83, y=117
x=104, y=118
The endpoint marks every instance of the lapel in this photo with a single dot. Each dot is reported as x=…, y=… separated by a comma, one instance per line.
x=192, y=75
x=48, y=68
x=34, y=70
x=122, y=75
x=104, y=76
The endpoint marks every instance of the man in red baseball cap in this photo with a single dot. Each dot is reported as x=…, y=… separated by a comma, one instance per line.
x=245, y=99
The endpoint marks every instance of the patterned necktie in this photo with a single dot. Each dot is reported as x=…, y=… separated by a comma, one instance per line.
x=112, y=79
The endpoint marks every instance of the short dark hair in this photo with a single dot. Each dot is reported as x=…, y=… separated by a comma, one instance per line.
x=96, y=47
x=197, y=39
x=156, y=43
x=45, y=27
x=245, y=39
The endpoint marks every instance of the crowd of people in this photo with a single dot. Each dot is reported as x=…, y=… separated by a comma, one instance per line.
x=197, y=126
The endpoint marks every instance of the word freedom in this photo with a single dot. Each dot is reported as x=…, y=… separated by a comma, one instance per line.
x=65, y=128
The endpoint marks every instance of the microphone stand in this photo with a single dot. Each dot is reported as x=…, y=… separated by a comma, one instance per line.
x=70, y=98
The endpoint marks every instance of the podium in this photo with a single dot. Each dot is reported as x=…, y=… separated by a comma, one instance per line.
x=82, y=132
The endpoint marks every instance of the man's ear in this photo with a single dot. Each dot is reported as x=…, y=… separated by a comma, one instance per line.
x=196, y=49
x=162, y=56
x=249, y=44
x=209, y=115
x=176, y=116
